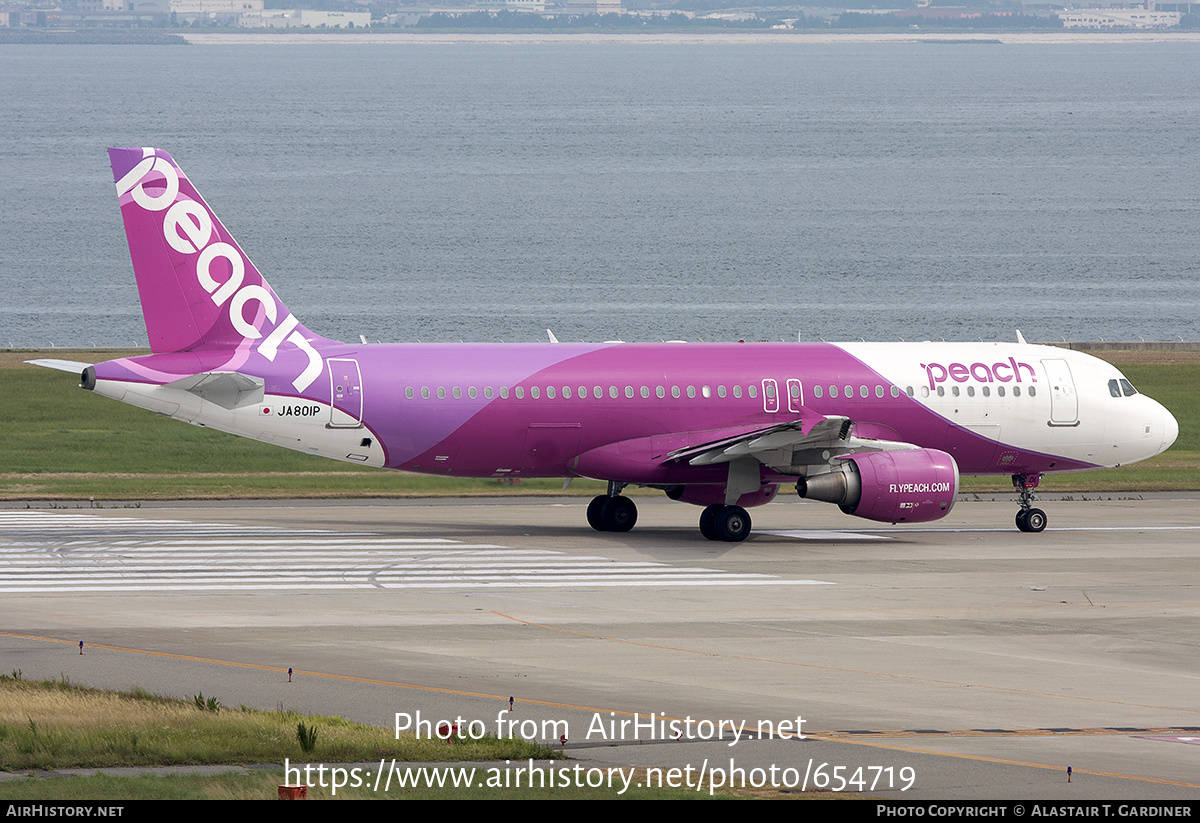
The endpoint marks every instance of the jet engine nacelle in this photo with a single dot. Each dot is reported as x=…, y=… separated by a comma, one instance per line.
x=909, y=486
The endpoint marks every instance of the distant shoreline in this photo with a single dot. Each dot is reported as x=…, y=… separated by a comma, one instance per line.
x=276, y=37
x=256, y=38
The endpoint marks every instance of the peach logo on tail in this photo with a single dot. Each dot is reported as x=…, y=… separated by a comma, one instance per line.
x=189, y=229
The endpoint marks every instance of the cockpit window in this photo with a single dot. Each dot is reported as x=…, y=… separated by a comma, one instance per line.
x=1113, y=388
x=1128, y=388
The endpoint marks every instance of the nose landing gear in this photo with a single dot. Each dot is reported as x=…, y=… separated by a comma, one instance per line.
x=1029, y=519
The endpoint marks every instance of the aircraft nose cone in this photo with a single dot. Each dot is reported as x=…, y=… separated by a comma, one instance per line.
x=1170, y=430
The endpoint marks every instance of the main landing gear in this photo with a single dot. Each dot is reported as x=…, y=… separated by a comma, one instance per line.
x=1029, y=519
x=728, y=523
x=611, y=512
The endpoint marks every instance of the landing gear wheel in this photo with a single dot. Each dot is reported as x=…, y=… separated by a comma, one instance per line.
x=732, y=524
x=706, y=522
x=1031, y=520
x=618, y=514
x=1035, y=520
x=593, y=512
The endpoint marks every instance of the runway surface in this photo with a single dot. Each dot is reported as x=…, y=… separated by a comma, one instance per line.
x=985, y=660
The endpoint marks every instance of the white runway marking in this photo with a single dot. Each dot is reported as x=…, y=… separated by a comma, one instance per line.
x=811, y=534
x=53, y=552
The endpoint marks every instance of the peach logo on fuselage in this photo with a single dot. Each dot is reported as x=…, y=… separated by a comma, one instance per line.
x=1003, y=372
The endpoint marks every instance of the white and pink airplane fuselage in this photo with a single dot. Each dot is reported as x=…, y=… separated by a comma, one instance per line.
x=882, y=430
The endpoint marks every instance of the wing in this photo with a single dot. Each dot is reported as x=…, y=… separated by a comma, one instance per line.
x=803, y=446
x=791, y=447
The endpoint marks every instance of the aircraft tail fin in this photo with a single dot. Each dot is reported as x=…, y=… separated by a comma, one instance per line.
x=199, y=290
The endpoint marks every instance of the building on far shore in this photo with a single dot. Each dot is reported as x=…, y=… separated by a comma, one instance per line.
x=509, y=5
x=241, y=13
x=300, y=18
x=594, y=7
x=221, y=12
x=1139, y=18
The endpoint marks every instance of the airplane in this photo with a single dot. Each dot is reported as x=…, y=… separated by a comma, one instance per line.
x=882, y=430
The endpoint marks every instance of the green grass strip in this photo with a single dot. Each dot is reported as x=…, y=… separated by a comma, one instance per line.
x=55, y=725
x=50, y=726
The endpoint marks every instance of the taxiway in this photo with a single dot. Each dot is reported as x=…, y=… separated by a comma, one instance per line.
x=985, y=659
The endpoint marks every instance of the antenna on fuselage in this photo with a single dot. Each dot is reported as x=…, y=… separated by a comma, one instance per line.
x=1020, y=337
x=553, y=339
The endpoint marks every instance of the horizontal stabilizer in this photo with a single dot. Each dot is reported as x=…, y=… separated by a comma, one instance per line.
x=61, y=365
x=229, y=390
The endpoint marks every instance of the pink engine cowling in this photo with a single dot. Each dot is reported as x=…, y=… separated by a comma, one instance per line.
x=909, y=486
